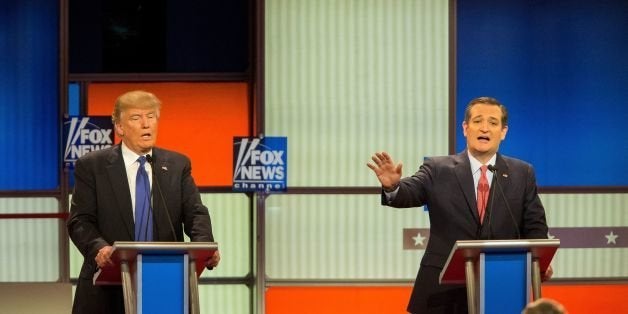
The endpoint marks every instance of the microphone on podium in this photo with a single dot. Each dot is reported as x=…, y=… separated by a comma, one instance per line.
x=151, y=161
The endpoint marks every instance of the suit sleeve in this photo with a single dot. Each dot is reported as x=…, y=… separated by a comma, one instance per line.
x=534, y=223
x=412, y=190
x=83, y=221
x=196, y=219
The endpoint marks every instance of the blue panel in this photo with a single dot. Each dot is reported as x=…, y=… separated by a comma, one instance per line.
x=74, y=99
x=560, y=68
x=505, y=277
x=163, y=283
x=29, y=95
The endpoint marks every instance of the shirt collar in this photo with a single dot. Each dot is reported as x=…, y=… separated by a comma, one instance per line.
x=476, y=164
x=129, y=156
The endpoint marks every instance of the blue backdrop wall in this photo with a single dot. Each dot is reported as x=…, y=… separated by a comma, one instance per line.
x=29, y=95
x=560, y=67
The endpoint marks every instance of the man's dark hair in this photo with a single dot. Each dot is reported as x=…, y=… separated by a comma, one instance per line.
x=486, y=101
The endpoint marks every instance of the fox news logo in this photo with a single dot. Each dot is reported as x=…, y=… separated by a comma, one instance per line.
x=260, y=164
x=85, y=134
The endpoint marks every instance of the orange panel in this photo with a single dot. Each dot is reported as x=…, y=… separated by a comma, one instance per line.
x=197, y=119
x=583, y=299
x=330, y=300
x=283, y=300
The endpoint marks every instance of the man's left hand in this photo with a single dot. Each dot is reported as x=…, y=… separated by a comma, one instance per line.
x=213, y=261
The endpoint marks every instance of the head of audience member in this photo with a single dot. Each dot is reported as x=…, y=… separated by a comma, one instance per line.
x=544, y=306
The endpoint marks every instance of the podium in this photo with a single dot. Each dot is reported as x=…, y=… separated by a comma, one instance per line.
x=499, y=274
x=157, y=277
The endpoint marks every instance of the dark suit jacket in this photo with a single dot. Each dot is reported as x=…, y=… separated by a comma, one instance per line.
x=445, y=185
x=101, y=213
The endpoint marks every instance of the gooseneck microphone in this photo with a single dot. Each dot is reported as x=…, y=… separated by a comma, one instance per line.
x=494, y=170
x=151, y=161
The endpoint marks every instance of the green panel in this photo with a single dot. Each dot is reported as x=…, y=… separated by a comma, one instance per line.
x=231, y=223
x=589, y=210
x=232, y=299
x=339, y=237
x=347, y=78
x=30, y=247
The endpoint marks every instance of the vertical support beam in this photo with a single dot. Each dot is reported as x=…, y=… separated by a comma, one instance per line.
x=127, y=288
x=472, y=298
x=536, y=279
x=195, y=307
x=260, y=285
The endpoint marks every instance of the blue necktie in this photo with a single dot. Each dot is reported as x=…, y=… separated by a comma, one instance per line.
x=143, y=213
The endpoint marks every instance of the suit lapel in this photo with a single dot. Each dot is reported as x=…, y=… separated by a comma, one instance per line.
x=162, y=176
x=465, y=180
x=117, y=175
x=503, y=177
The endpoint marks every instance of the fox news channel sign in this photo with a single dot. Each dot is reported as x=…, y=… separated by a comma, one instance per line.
x=260, y=164
x=85, y=134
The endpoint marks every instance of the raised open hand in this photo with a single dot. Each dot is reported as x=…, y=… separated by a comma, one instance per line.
x=388, y=173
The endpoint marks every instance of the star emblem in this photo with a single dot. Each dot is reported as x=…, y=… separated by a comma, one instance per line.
x=611, y=238
x=418, y=240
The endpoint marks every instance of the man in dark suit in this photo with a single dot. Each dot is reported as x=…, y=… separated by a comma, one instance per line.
x=455, y=192
x=103, y=208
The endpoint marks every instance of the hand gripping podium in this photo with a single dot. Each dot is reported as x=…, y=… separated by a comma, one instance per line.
x=157, y=277
x=499, y=274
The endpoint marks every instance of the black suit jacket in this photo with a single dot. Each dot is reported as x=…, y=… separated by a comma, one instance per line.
x=445, y=185
x=101, y=213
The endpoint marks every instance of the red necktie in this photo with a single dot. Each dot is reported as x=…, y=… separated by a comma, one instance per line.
x=482, y=193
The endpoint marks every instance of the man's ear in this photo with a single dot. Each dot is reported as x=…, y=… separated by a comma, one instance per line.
x=119, y=129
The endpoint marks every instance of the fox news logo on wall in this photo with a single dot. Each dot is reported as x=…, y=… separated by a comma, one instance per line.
x=85, y=134
x=260, y=164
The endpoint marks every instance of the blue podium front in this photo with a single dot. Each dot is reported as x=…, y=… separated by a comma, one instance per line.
x=157, y=277
x=162, y=283
x=505, y=283
x=501, y=276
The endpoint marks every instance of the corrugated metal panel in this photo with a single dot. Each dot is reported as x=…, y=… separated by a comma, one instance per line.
x=25, y=241
x=29, y=252
x=589, y=210
x=232, y=299
x=347, y=78
x=339, y=237
x=21, y=205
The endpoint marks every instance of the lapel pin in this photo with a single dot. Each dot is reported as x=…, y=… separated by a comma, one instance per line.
x=164, y=168
x=505, y=175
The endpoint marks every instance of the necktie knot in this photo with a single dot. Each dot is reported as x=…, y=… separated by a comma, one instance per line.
x=142, y=161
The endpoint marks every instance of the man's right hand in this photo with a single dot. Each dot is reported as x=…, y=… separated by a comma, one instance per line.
x=388, y=173
x=103, y=258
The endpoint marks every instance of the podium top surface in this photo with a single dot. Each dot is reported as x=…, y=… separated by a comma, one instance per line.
x=127, y=251
x=464, y=250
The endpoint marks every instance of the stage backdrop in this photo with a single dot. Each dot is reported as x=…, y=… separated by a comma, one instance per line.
x=560, y=67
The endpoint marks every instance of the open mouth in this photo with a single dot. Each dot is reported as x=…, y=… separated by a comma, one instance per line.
x=146, y=136
x=483, y=138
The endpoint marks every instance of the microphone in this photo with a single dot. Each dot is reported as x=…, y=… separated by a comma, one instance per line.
x=494, y=169
x=151, y=161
